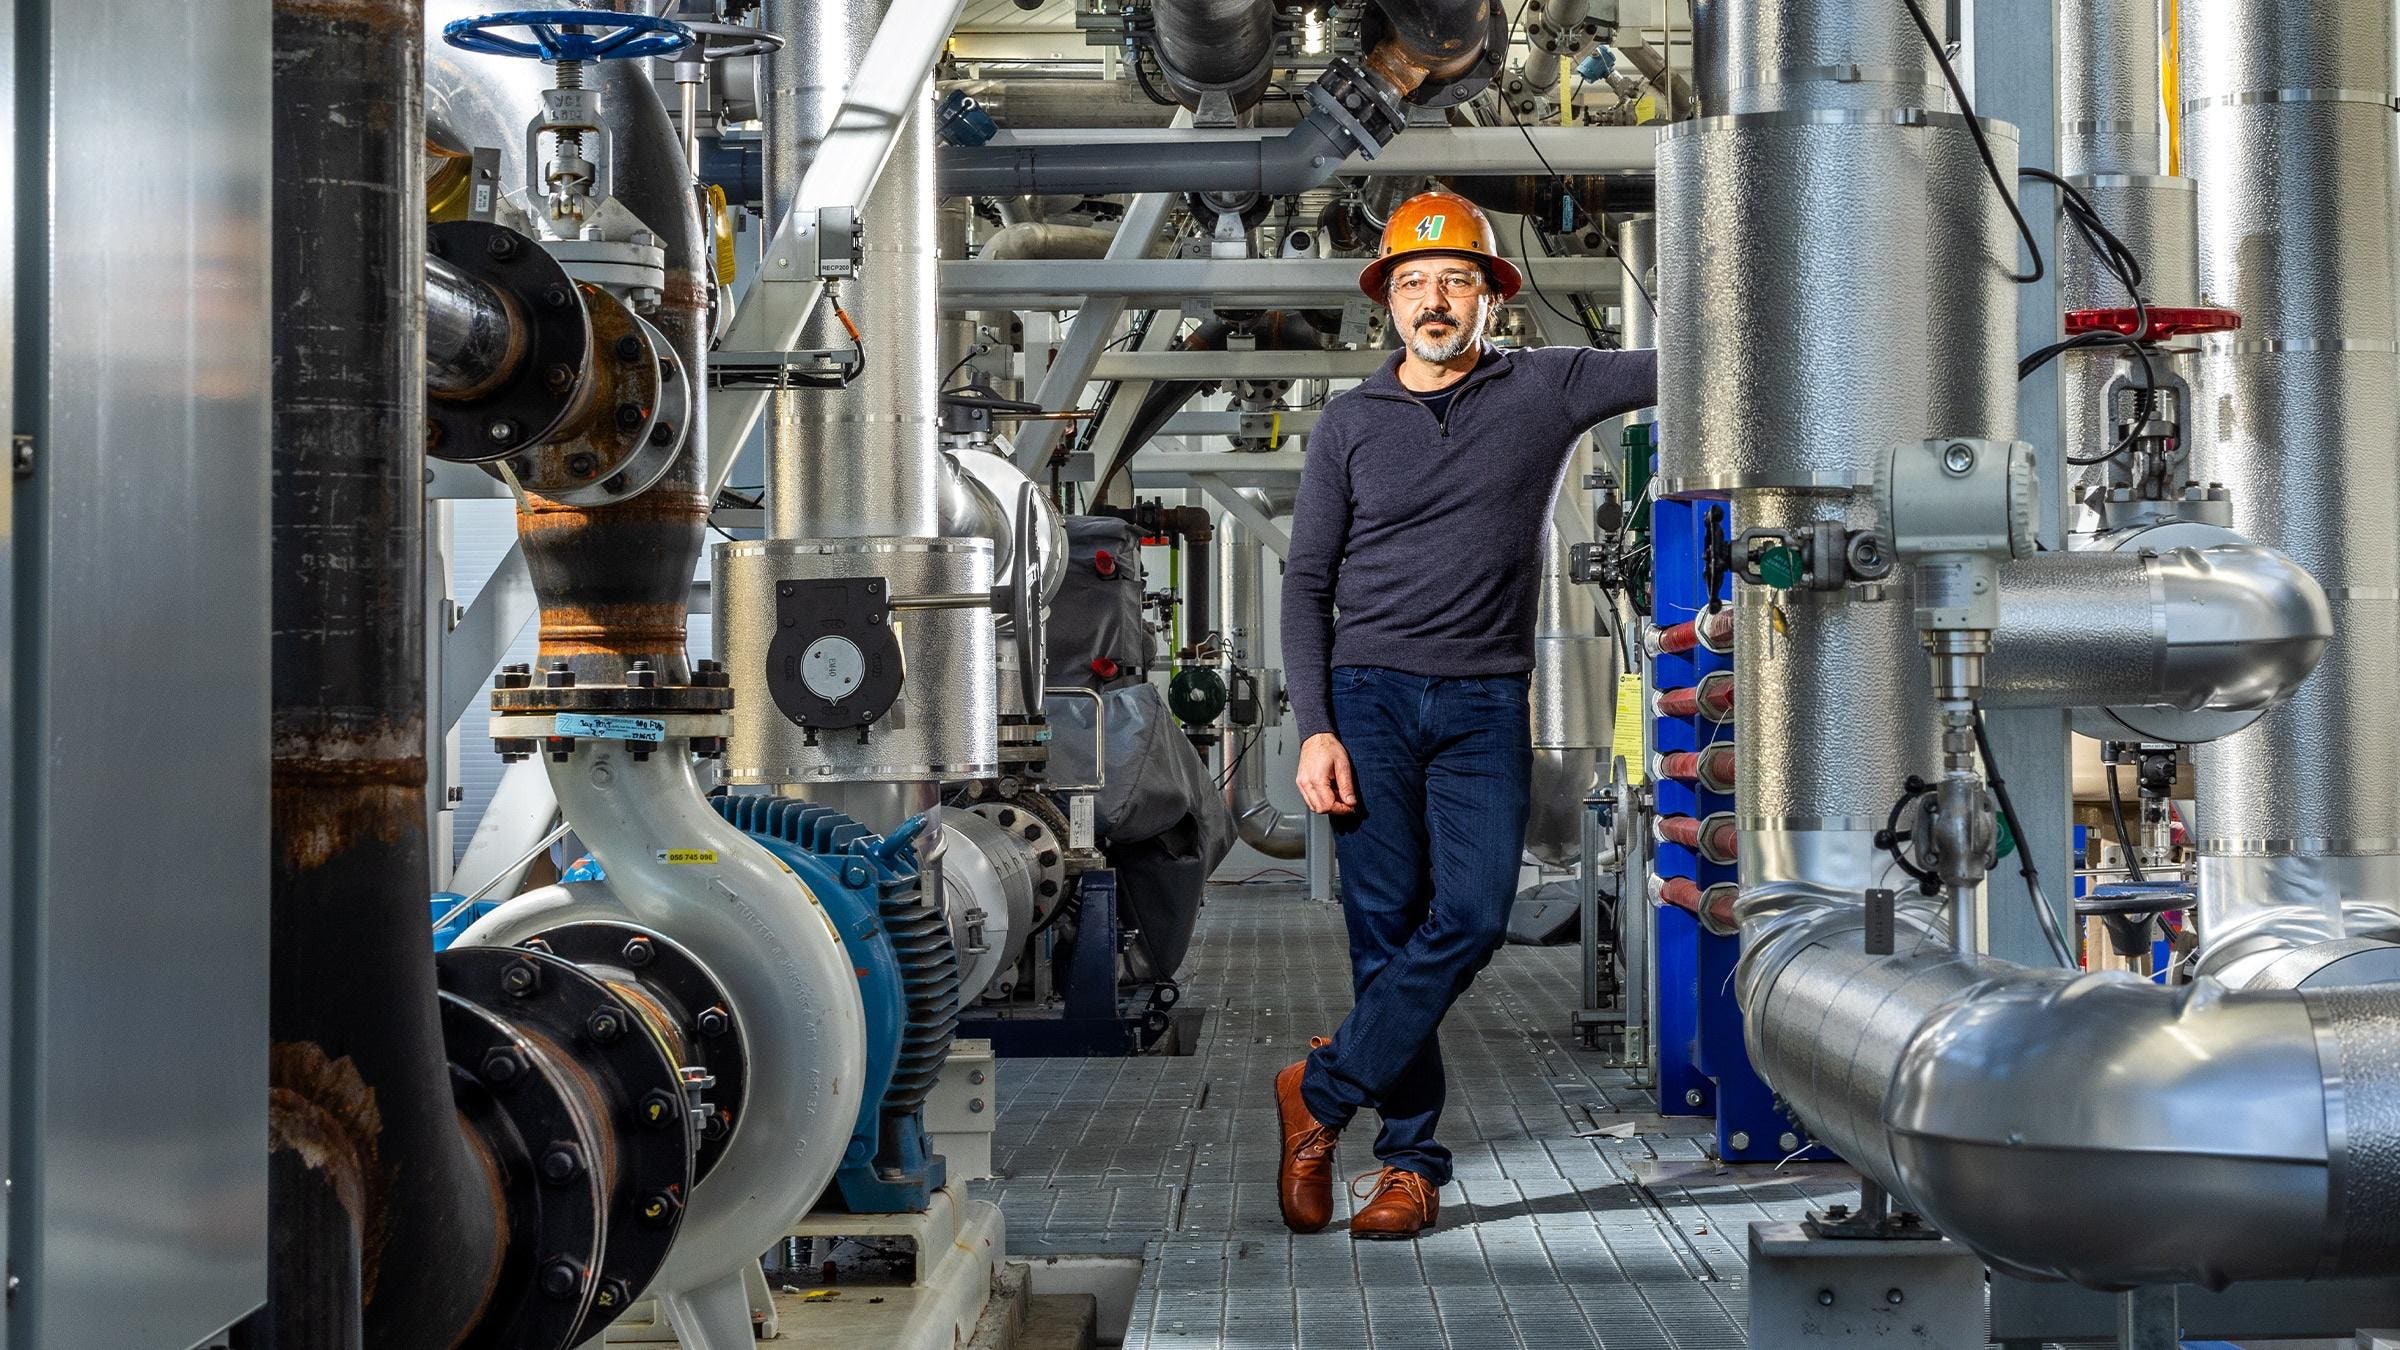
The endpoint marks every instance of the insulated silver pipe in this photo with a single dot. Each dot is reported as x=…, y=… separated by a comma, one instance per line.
x=2005, y=1103
x=2226, y=627
x=1241, y=564
x=1637, y=253
x=864, y=461
x=1574, y=694
x=2288, y=129
x=2108, y=110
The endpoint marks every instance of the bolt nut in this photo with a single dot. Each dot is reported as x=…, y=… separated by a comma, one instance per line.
x=557, y=297
x=502, y=246
x=521, y=979
x=611, y=1296
x=1788, y=1142
x=561, y=1163
x=638, y=951
x=716, y=1126
x=662, y=433
x=1824, y=1298
x=1959, y=458
x=583, y=464
x=1894, y=1297
x=502, y=431
x=562, y=1278
x=641, y=675
x=1837, y=1212
x=605, y=1025
x=661, y=1109
x=558, y=676
x=1739, y=1139
x=660, y=1208
x=501, y=1066
x=630, y=417
x=629, y=348
x=558, y=379
x=975, y=1106
x=1693, y=1097
x=713, y=1021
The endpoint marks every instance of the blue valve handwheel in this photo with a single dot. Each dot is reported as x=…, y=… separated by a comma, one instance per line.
x=607, y=35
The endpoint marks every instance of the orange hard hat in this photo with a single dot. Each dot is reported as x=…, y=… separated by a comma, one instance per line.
x=1442, y=223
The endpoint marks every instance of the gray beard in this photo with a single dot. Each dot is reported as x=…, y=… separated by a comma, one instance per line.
x=1463, y=336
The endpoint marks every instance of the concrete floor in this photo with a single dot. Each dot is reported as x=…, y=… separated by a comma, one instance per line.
x=1554, y=1235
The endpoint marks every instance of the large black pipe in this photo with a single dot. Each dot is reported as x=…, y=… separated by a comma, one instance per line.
x=1216, y=46
x=384, y=1219
x=473, y=340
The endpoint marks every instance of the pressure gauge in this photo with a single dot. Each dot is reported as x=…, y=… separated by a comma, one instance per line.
x=833, y=668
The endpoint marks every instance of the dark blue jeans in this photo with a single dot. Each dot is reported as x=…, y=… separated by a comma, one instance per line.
x=1428, y=870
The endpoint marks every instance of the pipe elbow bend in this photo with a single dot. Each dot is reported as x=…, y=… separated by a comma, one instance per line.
x=2014, y=1113
x=2245, y=625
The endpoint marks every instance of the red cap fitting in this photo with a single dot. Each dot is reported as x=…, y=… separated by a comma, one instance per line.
x=1712, y=905
x=1715, y=839
x=2166, y=321
x=1711, y=768
x=1104, y=562
x=1712, y=698
x=1713, y=631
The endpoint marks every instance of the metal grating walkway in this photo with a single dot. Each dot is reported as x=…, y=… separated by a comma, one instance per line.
x=1552, y=1236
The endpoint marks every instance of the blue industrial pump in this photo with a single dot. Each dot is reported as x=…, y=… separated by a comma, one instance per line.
x=907, y=980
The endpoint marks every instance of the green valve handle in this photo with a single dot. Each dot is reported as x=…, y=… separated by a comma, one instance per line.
x=1781, y=567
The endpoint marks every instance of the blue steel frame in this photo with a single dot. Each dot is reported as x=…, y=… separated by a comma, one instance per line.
x=1704, y=1067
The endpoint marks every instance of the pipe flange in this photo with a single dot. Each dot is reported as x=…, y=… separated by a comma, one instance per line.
x=549, y=379
x=1452, y=90
x=633, y=422
x=1361, y=107
x=644, y=965
x=598, y=1142
x=1044, y=831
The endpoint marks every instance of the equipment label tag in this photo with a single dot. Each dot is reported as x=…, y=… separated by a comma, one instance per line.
x=1628, y=736
x=603, y=728
x=679, y=856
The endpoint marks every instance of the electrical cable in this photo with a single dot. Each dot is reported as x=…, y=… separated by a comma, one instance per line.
x=1580, y=321
x=2051, y=933
x=1982, y=147
x=2116, y=808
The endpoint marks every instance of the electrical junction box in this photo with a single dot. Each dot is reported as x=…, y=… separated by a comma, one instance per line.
x=963, y=1107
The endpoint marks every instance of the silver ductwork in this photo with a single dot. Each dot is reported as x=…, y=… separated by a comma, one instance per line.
x=1242, y=580
x=1574, y=698
x=2108, y=147
x=855, y=477
x=2288, y=130
x=2180, y=633
x=1998, y=1101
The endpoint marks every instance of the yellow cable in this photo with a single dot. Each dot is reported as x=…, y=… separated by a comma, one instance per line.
x=2170, y=85
x=1566, y=91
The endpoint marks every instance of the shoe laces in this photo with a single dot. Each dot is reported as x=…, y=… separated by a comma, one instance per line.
x=1418, y=1186
x=1313, y=1142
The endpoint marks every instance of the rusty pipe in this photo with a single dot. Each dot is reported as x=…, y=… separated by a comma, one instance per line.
x=386, y=1222
x=474, y=336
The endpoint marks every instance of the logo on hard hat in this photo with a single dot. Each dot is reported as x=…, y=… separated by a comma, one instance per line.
x=1430, y=227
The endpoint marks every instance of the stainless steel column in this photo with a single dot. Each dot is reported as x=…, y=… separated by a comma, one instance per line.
x=2288, y=127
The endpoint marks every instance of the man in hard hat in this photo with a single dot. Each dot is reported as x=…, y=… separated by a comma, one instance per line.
x=1423, y=517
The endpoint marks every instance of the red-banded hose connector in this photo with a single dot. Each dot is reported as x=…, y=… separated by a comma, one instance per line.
x=1711, y=768
x=1712, y=905
x=1712, y=631
x=1716, y=838
x=1712, y=698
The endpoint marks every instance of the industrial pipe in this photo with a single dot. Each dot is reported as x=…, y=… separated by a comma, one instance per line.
x=473, y=339
x=2178, y=641
x=1215, y=47
x=2293, y=146
x=1040, y=239
x=1574, y=696
x=388, y=1229
x=1242, y=560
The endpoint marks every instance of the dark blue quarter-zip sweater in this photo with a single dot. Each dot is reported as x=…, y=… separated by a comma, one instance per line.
x=1427, y=533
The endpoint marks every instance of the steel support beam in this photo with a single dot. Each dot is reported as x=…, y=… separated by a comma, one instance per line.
x=1241, y=508
x=1238, y=365
x=1229, y=283
x=1118, y=420
x=849, y=159
x=2015, y=65
x=1095, y=318
x=1429, y=150
x=484, y=633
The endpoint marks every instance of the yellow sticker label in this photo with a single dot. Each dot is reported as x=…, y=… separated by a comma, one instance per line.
x=720, y=217
x=679, y=856
x=1630, y=736
x=1645, y=110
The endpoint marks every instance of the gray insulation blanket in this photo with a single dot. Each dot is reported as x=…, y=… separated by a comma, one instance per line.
x=1159, y=816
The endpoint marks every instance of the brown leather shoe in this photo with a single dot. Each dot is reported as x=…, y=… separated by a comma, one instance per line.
x=1304, y=1180
x=1404, y=1204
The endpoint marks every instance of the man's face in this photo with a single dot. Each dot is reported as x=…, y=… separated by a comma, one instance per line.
x=1441, y=307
